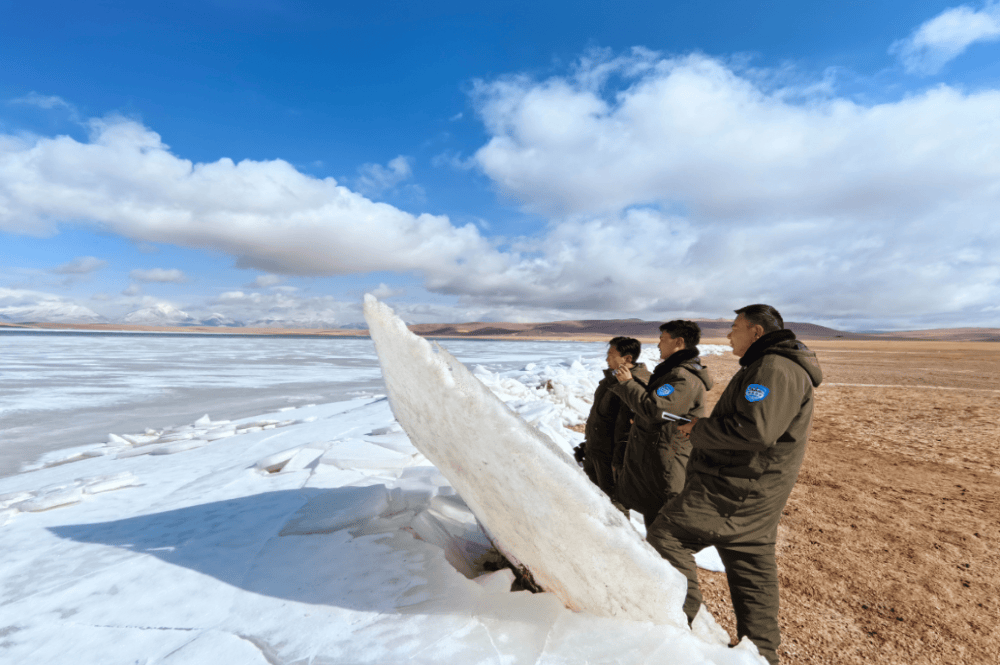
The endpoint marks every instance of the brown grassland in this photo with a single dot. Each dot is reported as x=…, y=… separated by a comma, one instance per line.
x=889, y=548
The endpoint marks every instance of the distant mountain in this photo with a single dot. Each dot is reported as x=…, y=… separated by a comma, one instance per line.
x=710, y=328
x=220, y=320
x=160, y=314
x=50, y=311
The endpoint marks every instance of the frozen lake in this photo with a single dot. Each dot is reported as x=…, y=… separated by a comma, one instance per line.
x=309, y=530
x=61, y=389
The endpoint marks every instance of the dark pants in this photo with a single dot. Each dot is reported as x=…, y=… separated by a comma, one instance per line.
x=600, y=473
x=751, y=571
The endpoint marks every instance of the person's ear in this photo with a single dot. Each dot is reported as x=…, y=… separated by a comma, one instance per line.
x=628, y=359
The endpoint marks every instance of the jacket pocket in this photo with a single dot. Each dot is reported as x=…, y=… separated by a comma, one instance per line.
x=727, y=493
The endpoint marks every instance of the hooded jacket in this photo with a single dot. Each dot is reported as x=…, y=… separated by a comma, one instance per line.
x=609, y=423
x=653, y=460
x=746, y=456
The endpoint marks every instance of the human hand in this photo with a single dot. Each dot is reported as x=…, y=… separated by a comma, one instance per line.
x=685, y=429
x=623, y=374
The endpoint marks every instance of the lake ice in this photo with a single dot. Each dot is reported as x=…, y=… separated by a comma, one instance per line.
x=272, y=531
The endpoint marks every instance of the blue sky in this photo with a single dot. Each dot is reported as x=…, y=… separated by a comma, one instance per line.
x=273, y=161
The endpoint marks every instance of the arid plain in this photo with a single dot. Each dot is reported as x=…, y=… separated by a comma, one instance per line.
x=889, y=549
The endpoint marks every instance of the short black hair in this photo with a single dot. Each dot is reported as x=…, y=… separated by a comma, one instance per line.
x=626, y=346
x=689, y=330
x=764, y=316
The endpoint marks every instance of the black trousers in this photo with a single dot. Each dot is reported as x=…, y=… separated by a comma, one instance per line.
x=752, y=573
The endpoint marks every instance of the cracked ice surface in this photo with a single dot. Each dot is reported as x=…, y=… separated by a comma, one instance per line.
x=110, y=554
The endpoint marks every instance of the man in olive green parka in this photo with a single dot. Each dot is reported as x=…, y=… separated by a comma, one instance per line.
x=745, y=459
x=652, y=462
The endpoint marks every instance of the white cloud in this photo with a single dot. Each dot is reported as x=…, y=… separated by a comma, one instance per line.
x=383, y=291
x=283, y=309
x=132, y=290
x=671, y=187
x=266, y=214
x=834, y=208
x=946, y=36
x=163, y=275
x=374, y=179
x=42, y=101
x=265, y=281
x=81, y=265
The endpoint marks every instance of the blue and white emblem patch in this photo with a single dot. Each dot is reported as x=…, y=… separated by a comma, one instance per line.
x=664, y=390
x=756, y=392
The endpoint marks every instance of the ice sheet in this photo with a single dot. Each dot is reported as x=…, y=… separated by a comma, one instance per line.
x=178, y=558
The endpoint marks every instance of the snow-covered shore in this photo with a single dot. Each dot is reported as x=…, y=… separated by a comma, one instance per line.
x=312, y=534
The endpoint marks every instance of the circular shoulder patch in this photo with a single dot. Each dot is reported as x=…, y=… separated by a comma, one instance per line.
x=756, y=392
x=665, y=390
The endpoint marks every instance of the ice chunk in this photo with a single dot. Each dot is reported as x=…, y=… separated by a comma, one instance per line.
x=303, y=458
x=274, y=463
x=705, y=627
x=215, y=435
x=179, y=446
x=498, y=581
x=456, y=550
x=140, y=439
x=539, y=510
x=383, y=524
x=7, y=514
x=407, y=499
x=709, y=559
x=364, y=456
x=53, y=499
x=97, y=484
x=453, y=507
x=135, y=452
x=116, y=440
x=10, y=498
x=176, y=436
x=204, y=421
x=337, y=509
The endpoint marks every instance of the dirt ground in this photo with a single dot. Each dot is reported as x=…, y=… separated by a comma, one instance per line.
x=889, y=548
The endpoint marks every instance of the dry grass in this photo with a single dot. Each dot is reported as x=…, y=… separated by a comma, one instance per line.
x=888, y=551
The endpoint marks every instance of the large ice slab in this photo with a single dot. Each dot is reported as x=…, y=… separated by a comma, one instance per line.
x=540, y=509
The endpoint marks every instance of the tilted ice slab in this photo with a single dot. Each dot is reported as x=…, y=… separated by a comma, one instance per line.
x=540, y=509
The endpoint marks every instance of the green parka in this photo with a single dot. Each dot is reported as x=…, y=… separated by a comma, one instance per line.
x=608, y=423
x=746, y=456
x=654, y=459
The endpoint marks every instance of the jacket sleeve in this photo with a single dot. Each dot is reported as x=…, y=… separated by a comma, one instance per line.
x=623, y=425
x=651, y=405
x=767, y=401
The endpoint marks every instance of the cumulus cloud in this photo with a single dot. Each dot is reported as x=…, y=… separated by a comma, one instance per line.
x=383, y=290
x=286, y=310
x=946, y=36
x=268, y=215
x=163, y=275
x=374, y=179
x=671, y=186
x=81, y=265
x=826, y=204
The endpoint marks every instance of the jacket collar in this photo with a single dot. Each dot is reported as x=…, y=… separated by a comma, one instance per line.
x=760, y=347
x=675, y=360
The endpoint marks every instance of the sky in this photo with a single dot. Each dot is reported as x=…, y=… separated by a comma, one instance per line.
x=270, y=162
